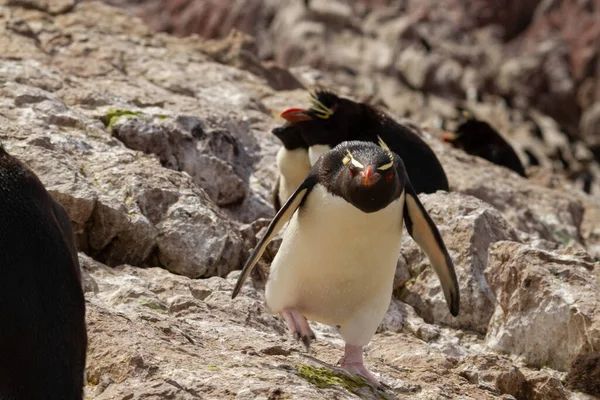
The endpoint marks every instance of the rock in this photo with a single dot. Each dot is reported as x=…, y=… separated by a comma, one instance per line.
x=546, y=304
x=108, y=195
x=170, y=200
x=87, y=264
x=548, y=214
x=543, y=70
x=590, y=230
x=590, y=125
x=468, y=227
x=397, y=317
x=54, y=7
x=195, y=242
x=494, y=372
x=178, y=149
x=531, y=45
x=210, y=19
x=431, y=72
x=241, y=50
x=554, y=21
x=584, y=375
x=541, y=386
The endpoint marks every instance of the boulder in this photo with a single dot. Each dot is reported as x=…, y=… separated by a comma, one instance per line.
x=539, y=211
x=494, y=372
x=584, y=374
x=546, y=304
x=541, y=386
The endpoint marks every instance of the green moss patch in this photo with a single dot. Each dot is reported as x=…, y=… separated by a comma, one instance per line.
x=153, y=306
x=113, y=115
x=323, y=378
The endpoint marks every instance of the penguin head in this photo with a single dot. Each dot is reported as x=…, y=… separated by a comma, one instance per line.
x=472, y=134
x=290, y=136
x=363, y=173
x=329, y=120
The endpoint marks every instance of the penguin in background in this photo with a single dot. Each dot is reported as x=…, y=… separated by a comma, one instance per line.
x=338, y=256
x=293, y=163
x=480, y=139
x=43, y=337
x=332, y=120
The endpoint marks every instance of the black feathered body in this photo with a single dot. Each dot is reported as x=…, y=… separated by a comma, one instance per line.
x=478, y=138
x=43, y=338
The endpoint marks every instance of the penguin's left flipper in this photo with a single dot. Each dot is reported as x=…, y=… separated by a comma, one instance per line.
x=422, y=229
x=281, y=218
x=275, y=195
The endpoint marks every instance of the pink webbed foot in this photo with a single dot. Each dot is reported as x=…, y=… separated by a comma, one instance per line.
x=353, y=362
x=298, y=325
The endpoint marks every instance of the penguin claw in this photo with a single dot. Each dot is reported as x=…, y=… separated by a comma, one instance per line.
x=306, y=340
x=299, y=327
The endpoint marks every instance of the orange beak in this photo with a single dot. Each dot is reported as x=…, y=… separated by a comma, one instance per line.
x=449, y=137
x=369, y=176
x=294, y=115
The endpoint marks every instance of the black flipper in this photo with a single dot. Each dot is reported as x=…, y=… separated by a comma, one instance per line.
x=275, y=195
x=422, y=229
x=282, y=217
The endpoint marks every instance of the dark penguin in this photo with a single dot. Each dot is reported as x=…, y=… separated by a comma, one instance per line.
x=292, y=162
x=338, y=256
x=478, y=138
x=332, y=119
x=43, y=338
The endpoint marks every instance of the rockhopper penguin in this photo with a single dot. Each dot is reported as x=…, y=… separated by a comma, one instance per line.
x=332, y=119
x=43, y=338
x=338, y=256
x=478, y=138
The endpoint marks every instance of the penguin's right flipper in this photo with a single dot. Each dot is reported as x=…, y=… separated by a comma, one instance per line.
x=282, y=217
x=422, y=229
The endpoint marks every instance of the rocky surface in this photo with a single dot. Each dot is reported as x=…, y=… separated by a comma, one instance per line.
x=531, y=52
x=532, y=59
x=159, y=149
x=546, y=304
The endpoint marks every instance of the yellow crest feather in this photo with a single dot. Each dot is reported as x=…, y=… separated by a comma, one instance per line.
x=385, y=148
x=354, y=161
x=319, y=108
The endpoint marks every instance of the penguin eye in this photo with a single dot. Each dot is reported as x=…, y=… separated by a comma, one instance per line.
x=389, y=176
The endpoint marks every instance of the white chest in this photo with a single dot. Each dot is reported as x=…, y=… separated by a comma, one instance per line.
x=315, y=151
x=335, y=259
x=294, y=166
